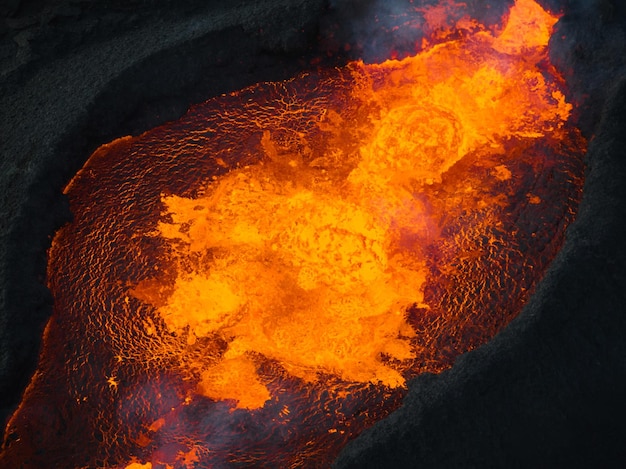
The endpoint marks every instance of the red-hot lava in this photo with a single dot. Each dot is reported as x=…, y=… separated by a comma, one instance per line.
x=254, y=284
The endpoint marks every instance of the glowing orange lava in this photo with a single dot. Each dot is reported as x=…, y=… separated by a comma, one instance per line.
x=312, y=259
x=257, y=282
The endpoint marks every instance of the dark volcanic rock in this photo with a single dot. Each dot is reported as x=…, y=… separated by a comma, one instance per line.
x=9, y=7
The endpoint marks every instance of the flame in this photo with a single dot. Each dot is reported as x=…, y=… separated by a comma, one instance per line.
x=283, y=259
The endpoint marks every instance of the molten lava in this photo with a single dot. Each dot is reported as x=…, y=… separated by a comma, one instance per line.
x=255, y=283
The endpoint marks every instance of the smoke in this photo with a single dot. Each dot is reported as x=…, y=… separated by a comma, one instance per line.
x=376, y=30
x=373, y=30
x=589, y=58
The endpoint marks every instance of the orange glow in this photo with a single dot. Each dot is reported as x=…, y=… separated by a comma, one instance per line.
x=529, y=28
x=315, y=267
x=257, y=282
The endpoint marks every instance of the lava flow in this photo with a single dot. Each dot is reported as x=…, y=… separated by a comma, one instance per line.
x=254, y=284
